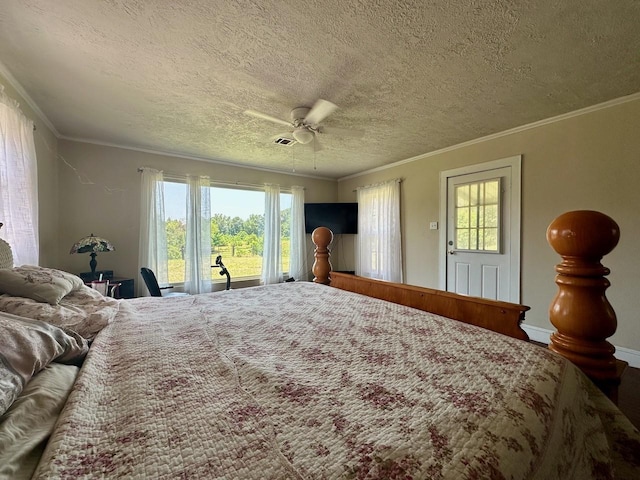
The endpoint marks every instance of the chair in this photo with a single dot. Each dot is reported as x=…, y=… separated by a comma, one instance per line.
x=155, y=290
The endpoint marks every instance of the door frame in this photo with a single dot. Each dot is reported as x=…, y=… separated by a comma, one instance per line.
x=515, y=163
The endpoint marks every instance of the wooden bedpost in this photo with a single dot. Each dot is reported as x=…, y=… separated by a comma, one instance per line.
x=322, y=238
x=581, y=313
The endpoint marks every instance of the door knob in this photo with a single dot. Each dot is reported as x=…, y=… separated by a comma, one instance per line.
x=451, y=252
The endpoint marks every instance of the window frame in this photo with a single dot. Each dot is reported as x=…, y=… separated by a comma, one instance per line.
x=250, y=188
x=478, y=227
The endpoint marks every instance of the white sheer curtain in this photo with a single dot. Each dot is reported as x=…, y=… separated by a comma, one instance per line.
x=379, y=249
x=153, y=236
x=298, y=246
x=18, y=183
x=197, y=254
x=271, y=261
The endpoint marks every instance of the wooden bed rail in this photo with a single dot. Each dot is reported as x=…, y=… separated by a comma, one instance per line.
x=501, y=317
x=581, y=313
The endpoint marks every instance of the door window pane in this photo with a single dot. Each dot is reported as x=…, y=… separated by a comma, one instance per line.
x=477, y=216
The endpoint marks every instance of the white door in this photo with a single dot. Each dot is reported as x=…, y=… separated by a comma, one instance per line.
x=482, y=231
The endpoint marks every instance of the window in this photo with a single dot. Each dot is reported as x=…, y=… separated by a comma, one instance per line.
x=477, y=216
x=379, y=246
x=237, y=229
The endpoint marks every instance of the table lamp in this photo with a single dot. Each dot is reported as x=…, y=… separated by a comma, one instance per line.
x=94, y=245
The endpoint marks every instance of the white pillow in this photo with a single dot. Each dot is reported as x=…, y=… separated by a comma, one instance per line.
x=38, y=283
x=85, y=311
x=26, y=347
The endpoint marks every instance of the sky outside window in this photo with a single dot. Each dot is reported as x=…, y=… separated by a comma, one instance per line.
x=227, y=201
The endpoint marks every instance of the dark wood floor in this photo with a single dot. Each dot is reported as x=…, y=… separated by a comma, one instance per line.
x=629, y=395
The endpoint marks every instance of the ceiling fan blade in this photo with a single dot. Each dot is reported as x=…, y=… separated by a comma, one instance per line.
x=342, y=132
x=320, y=110
x=264, y=116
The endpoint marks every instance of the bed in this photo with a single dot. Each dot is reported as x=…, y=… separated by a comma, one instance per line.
x=306, y=380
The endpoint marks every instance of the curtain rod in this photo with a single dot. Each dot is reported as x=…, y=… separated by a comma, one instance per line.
x=397, y=180
x=222, y=182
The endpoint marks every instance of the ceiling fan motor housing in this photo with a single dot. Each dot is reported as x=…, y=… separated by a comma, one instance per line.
x=302, y=132
x=303, y=135
x=298, y=114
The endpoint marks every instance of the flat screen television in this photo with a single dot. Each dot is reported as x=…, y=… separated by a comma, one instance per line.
x=338, y=217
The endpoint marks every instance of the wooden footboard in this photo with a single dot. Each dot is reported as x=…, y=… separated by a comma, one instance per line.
x=501, y=317
x=581, y=313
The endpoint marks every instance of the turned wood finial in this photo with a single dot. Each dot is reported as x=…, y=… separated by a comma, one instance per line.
x=581, y=313
x=322, y=238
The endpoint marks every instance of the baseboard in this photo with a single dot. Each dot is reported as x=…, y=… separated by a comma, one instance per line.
x=632, y=357
x=538, y=334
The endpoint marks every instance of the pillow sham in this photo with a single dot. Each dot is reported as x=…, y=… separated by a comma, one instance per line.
x=38, y=283
x=26, y=347
x=85, y=310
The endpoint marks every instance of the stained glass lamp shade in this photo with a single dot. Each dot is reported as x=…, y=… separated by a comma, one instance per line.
x=92, y=245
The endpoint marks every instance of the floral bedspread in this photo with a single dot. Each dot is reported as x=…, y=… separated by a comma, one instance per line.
x=300, y=380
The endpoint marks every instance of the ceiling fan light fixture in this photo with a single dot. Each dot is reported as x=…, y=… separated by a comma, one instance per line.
x=303, y=135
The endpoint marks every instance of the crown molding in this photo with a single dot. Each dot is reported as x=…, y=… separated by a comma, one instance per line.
x=558, y=118
x=189, y=157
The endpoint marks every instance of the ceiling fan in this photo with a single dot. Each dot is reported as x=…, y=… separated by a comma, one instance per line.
x=305, y=121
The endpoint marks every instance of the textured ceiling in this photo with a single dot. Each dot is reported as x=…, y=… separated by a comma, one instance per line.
x=415, y=76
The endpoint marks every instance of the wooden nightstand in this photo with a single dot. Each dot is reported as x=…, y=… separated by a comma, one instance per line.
x=126, y=288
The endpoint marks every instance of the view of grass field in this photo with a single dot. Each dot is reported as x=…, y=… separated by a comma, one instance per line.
x=238, y=265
